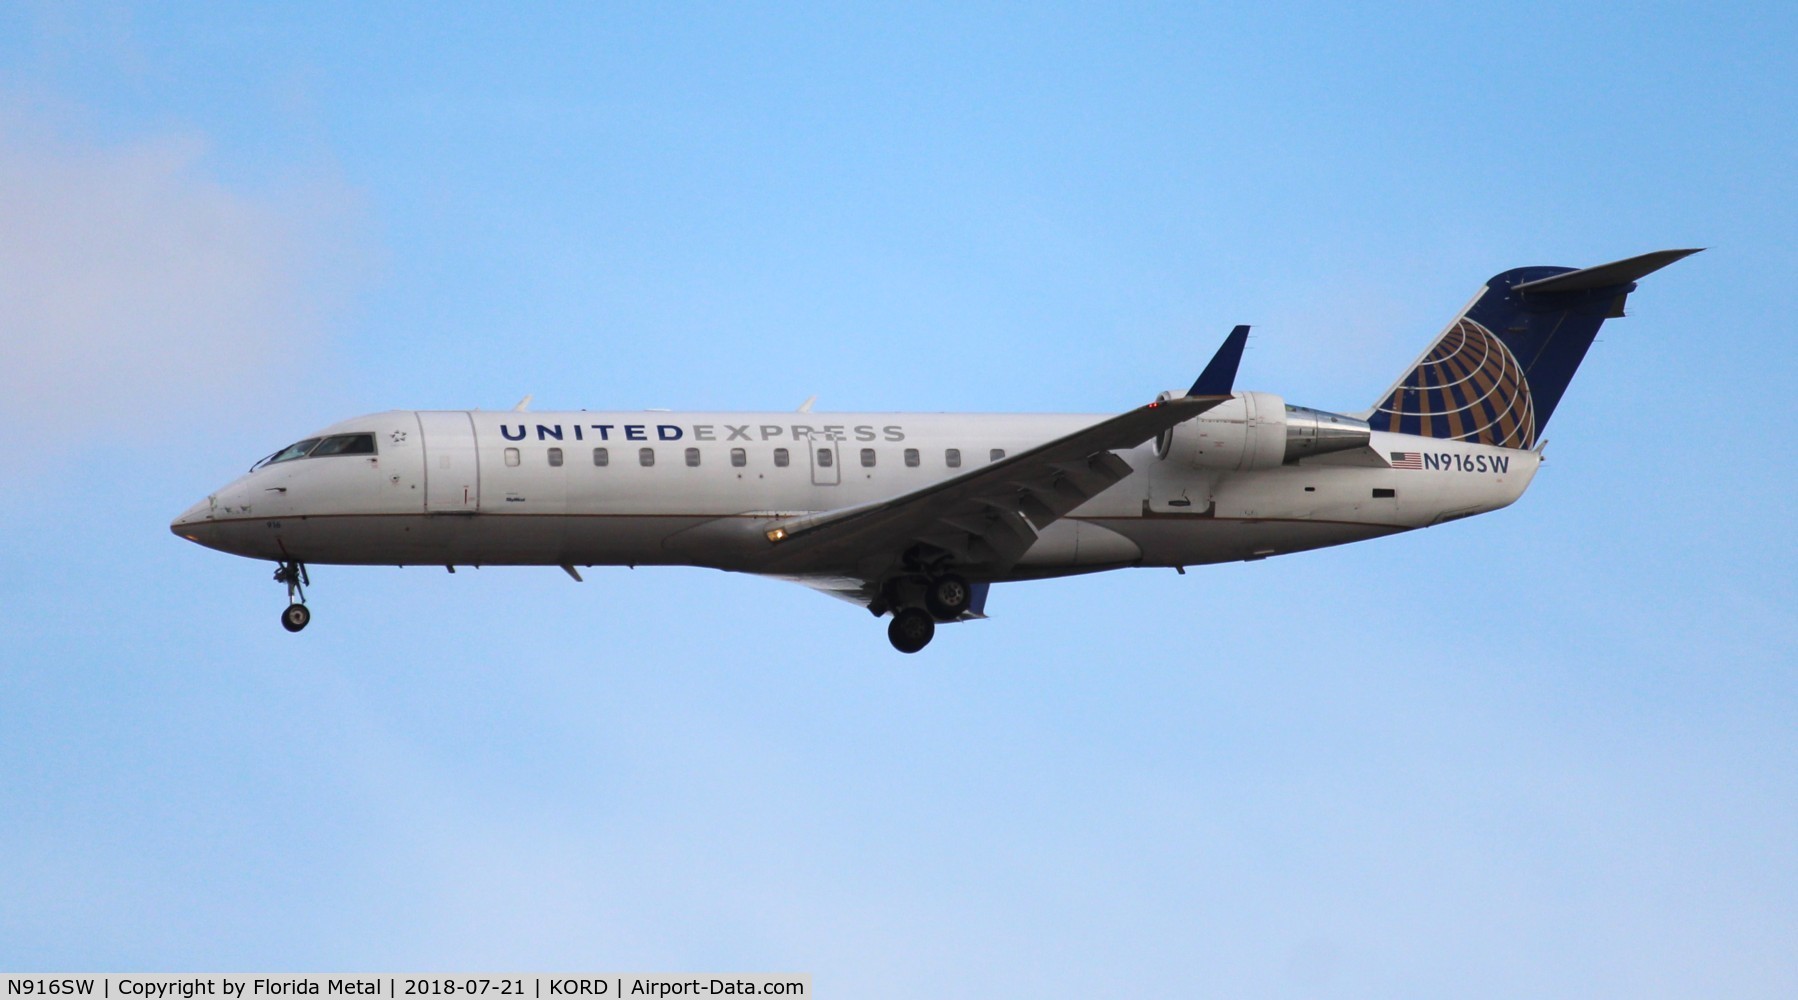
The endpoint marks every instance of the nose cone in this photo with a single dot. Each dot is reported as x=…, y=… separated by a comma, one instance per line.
x=192, y=523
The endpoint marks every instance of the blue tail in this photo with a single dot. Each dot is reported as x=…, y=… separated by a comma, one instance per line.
x=1497, y=373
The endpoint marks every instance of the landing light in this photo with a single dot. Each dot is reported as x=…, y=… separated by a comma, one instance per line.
x=777, y=534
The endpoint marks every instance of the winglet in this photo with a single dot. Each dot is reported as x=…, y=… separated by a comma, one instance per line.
x=1220, y=375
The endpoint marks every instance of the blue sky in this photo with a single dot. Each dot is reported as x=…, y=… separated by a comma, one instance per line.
x=1546, y=752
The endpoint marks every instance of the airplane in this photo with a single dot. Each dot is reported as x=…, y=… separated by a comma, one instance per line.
x=916, y=515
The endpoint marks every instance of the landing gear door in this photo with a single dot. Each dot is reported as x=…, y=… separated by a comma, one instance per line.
x=826, y=470
x=452, y=466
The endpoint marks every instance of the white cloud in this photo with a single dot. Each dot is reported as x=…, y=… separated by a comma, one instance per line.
x=136, y=287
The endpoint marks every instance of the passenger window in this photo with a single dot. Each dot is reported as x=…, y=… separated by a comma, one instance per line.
x=867, y=458
x=911, y=458
x=555, y=458
x=739, y=457
x=646, y=457
x=952, y=458
x=602, y=457
x=780, y=458
x=512, y=458
x=825, y=458
x=1379, y=494
x=692, y=458
x=996, y=454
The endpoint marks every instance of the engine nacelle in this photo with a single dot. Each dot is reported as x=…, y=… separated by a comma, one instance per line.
x=1258, y=430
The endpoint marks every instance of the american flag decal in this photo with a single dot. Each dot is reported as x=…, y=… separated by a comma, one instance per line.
x=1407, y=459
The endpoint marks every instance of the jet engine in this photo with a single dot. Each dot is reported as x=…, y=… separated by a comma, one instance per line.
x=1258, y=430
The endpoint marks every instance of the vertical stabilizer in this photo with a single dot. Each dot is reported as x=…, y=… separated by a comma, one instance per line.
x=1497, y=373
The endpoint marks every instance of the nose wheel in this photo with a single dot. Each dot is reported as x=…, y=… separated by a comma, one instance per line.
x=294, y=575
x=295, y=617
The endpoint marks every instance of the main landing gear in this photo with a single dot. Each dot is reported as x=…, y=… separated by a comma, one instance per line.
x=293, y=574
x=945, y=599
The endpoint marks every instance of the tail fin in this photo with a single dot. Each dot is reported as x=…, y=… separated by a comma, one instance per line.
x=1498, y=371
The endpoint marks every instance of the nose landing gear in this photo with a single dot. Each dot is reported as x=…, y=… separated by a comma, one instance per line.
x=293, y=574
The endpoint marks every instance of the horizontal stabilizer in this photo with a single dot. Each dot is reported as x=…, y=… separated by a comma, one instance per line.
x=1617, y=272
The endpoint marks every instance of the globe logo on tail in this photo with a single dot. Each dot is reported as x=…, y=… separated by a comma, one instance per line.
x=1469, y=387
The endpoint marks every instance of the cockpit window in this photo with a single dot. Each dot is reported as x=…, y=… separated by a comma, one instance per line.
x=337, y=444
x=345, y=444
x=288, y=454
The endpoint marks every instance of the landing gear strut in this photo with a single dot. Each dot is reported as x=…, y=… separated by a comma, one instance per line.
x=911, y=630
x=293, y=574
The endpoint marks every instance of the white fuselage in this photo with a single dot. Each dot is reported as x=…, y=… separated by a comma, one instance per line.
x=587, y=488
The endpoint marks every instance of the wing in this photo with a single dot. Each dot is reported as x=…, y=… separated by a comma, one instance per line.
x=985, y=519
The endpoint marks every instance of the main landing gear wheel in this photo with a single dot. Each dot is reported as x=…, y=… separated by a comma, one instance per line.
x=948, y=597
x=295, y=617
x=911, y=630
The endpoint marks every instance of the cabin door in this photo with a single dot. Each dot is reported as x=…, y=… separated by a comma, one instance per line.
x=452, y=469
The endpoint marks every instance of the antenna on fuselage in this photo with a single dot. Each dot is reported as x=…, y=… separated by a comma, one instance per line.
x=523, y=404
x=806, y=407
